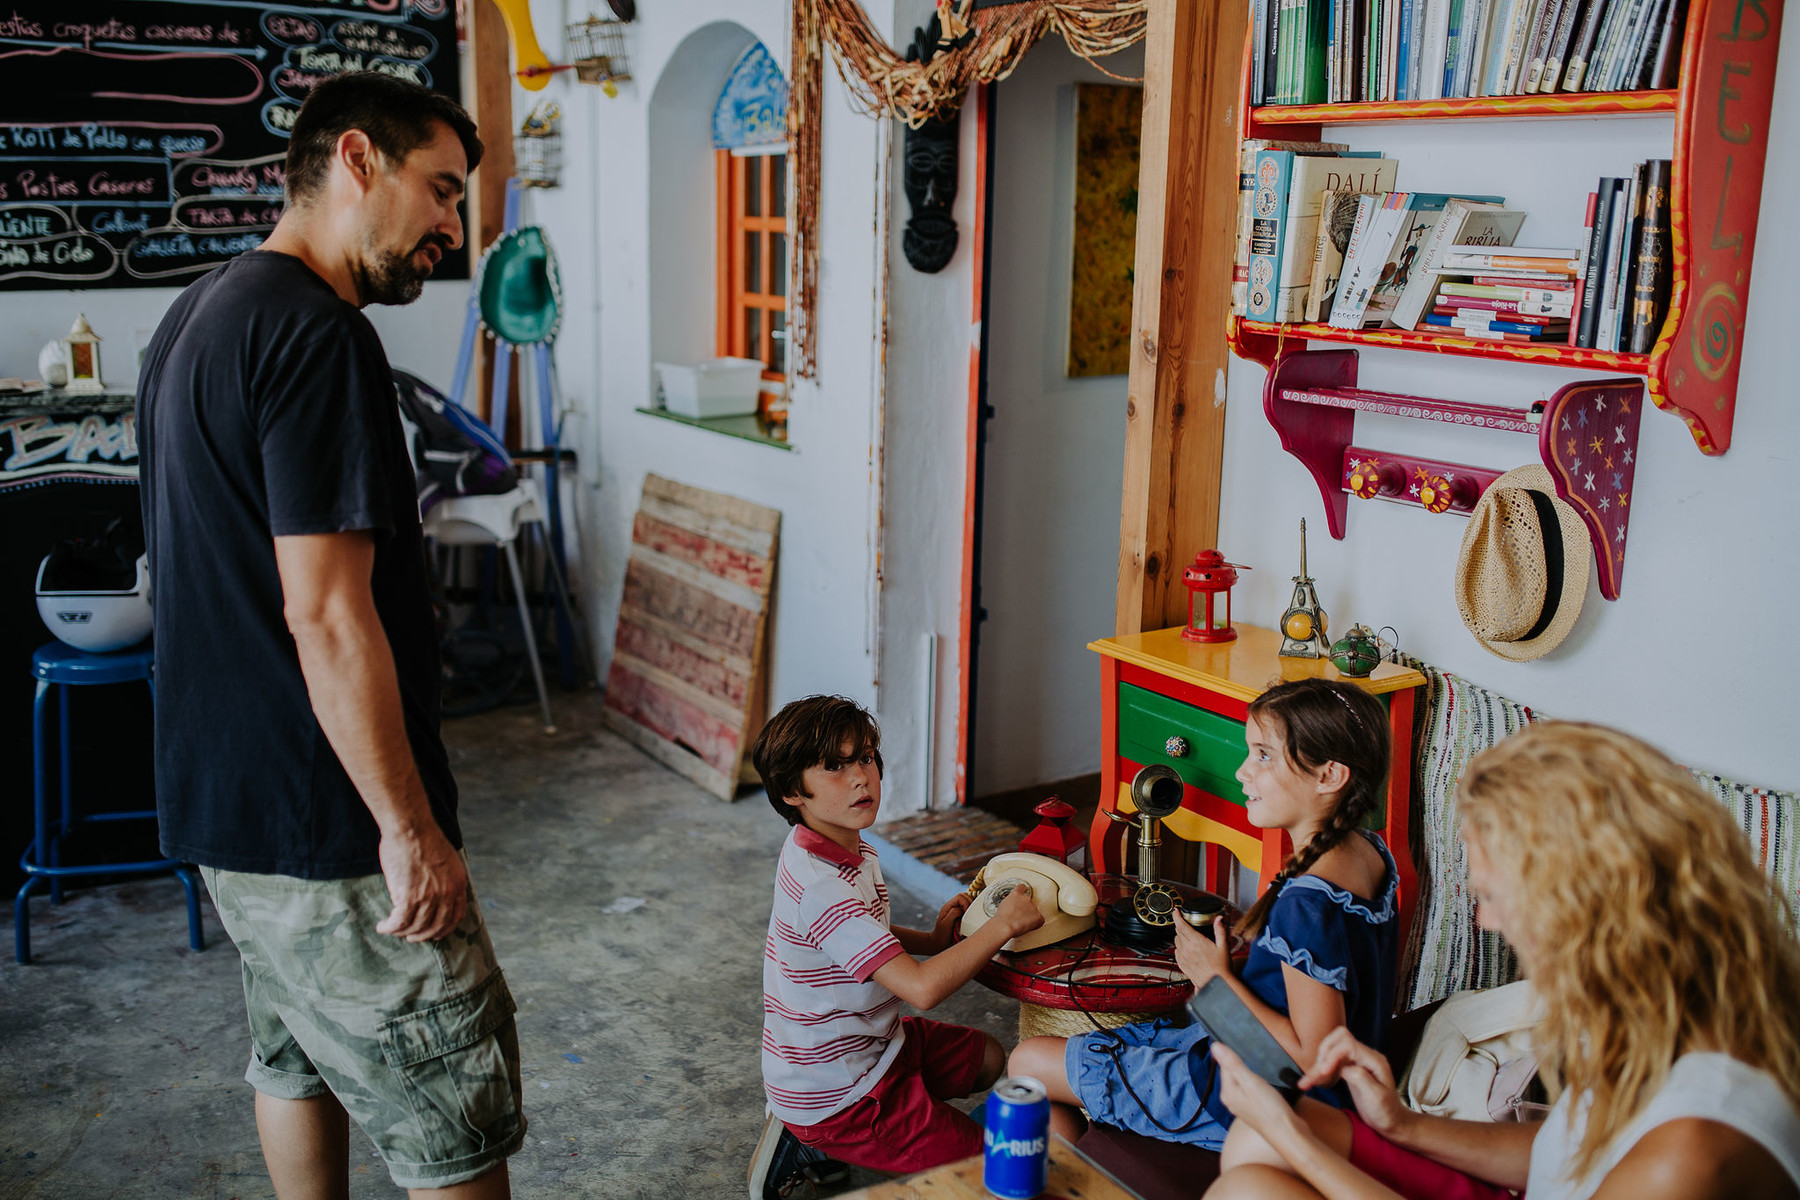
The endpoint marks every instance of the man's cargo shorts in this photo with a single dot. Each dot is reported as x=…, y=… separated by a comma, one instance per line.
x=415, y=1039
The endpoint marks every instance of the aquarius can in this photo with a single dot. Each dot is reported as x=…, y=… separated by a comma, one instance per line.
x=1017, y=1139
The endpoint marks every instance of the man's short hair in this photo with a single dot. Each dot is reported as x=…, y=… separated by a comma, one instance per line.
x=811, y=733
x=398, y=116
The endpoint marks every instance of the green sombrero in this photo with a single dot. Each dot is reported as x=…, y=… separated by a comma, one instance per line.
x=520, y=291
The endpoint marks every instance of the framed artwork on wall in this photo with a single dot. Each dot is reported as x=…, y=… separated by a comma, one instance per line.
x=1107, y=122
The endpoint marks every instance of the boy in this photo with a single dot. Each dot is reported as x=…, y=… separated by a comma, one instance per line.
x=846, y=1074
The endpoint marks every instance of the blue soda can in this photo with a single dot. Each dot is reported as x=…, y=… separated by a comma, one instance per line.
x=1017, y=1139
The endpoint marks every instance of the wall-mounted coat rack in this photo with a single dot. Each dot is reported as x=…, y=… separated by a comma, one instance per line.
x=1587, y=437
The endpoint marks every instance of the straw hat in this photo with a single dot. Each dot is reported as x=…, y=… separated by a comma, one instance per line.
x=1522, y=573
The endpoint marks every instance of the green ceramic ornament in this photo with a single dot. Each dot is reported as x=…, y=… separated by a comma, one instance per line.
x=1356, y=653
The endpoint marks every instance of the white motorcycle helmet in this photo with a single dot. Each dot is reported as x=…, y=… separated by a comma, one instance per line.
x=93, y=596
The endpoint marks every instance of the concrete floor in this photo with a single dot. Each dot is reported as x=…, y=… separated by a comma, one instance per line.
x=122, y=1052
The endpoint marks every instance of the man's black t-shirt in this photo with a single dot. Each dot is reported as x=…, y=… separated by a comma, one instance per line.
x=266, y=408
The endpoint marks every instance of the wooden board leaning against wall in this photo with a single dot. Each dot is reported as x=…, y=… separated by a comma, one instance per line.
x=1187, y=207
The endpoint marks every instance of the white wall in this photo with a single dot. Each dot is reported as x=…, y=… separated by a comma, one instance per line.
x=421, y=337
x=1695, y=655
x=1055, y=451
x=618, y=195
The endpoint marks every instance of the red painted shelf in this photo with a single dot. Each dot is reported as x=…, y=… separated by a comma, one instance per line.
x=1553, y=354
x=1557, y=104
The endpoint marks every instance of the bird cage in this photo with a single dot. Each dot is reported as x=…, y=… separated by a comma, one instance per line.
x=597, y=46
x=537, y=148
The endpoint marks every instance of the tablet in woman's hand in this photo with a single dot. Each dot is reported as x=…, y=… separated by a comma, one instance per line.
x=1230, y=1021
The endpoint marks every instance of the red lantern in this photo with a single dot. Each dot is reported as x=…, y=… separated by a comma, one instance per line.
x=1055, y=837
x=1209, y=576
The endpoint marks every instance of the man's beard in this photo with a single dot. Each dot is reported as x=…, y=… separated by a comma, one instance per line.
x=390, y=278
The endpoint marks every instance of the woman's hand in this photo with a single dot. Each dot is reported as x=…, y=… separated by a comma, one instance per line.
x=1368, y=1075
x=1199, y=956
x=1251, y=1099
x=943, y=933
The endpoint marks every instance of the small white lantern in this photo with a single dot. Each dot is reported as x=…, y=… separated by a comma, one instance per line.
x=83, y=357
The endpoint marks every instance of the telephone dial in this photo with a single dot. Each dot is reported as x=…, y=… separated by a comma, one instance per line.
x=1063, y=895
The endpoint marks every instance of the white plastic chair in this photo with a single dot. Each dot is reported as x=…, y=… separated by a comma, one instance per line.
x=496, y=521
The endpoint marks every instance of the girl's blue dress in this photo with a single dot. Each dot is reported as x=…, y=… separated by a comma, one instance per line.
x=1158, y=1079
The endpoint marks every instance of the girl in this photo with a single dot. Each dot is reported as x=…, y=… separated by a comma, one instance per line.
x=1668, y=978
x=1325, y=931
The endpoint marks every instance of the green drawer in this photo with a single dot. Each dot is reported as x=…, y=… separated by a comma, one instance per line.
x=1215, y=743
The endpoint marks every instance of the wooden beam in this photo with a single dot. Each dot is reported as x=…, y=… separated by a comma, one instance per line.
x=490, y=103
x=1187, y=213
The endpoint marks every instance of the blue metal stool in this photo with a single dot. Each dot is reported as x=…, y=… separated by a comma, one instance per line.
x=64, y=667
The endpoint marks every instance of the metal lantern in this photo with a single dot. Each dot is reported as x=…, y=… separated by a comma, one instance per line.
x=83, y=356
x=1055, y=837
x=1207, y=578
x=1303, y=624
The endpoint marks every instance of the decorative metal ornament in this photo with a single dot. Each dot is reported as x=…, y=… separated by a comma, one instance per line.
x=1303, y=624
x=1357, y=653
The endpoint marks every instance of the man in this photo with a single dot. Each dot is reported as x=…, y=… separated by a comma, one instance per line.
x=297, y=751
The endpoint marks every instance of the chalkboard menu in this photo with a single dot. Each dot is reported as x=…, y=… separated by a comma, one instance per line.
x=141, y=141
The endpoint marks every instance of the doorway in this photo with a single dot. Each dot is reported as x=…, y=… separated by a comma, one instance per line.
x=1050, y=462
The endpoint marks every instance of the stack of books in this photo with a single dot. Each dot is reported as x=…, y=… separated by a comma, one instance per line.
x=1391, y=247
x=1511, y=294
x=1291, y=233
x=1626, y=268
x=1344, y=51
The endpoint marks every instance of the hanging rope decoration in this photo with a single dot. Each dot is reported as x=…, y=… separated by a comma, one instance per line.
x=884, y=83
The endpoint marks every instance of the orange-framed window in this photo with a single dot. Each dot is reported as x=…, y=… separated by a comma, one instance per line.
x=753, y=260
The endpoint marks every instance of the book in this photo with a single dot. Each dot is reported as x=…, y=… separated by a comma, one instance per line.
x=1452, y=46
x=1240, y=266
x=1613, y=38
x=1498, y=292
x=1492, y=335
x=1463, y=222
x=1549, y=262
x=1595, y=265
x=1628, y=253
x=1525, y=308
x=1489, y=324
x=1259, y=37
x=1587, y=252
x=1513, y=47
x=1337, y=218
x=1372, y=220
x=1538, y=320
x=1420, y=214
x=1310, y=178
x=1558, y=53
x=1513, y=277
x=1668, y=47
x=1642, y=52
x=1650, y=291
x=1606, y=335
x=1437, y=29
x=1576, y=70
x=1541, y=40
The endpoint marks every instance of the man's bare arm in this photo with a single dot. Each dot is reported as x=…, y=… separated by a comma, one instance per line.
x=350, y=679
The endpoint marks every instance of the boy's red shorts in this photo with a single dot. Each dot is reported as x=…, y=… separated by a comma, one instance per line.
x=903, y=1124
x=1411, y=1174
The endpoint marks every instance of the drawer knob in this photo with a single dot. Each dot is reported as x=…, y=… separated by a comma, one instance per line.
x=1176, y=747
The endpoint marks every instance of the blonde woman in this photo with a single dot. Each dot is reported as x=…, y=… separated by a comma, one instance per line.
x=1673, y=993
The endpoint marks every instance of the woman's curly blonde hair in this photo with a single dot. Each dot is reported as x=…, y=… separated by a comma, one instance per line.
x=1647, y=926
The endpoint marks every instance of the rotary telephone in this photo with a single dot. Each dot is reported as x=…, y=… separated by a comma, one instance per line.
x=1063, y=895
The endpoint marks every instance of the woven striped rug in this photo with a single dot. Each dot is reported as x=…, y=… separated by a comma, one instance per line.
x=1457, y=721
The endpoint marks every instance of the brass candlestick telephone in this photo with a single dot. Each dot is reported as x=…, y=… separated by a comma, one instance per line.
x=1148, y=920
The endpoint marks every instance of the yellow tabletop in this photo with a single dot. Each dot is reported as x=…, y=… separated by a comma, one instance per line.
x=1244, y=668
x=1072, y=1177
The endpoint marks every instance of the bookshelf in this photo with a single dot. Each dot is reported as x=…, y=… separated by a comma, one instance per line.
x=1721, y=110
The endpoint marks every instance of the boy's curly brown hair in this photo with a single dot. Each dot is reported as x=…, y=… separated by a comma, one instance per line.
x=811, y=732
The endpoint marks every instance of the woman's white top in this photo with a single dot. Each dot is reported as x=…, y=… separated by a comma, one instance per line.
x=1711, y=1087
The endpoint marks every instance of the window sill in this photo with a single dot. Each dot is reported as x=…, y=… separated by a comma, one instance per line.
x=749, y=428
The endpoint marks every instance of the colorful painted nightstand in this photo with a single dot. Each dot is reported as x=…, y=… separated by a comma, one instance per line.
x=1182, y=704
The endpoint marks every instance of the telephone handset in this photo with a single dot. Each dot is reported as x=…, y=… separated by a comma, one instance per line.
x=1063, y=895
